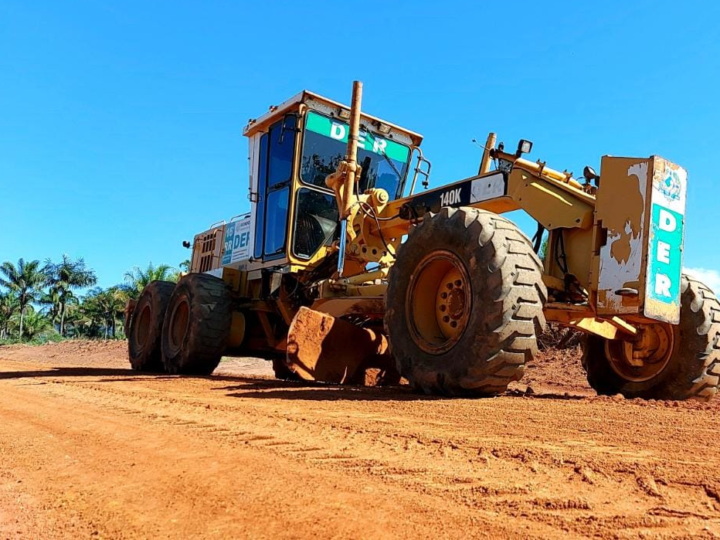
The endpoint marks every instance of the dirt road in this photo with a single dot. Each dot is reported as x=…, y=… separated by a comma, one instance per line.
x=91, y=449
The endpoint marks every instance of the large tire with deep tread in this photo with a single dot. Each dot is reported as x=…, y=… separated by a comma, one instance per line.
x=197, y=325
x=145, y=322
x=506, y=312
x=693, y=370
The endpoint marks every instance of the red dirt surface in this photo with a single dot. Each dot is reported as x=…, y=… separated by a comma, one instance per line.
x=89, y=448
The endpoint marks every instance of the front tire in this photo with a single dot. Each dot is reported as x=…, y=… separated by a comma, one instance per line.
x=197, y=325
x=692, y=367
x=464, y=304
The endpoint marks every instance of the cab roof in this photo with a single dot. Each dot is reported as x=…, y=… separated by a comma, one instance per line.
x=260, y=124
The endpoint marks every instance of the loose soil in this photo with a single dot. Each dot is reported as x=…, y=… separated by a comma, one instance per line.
x=89, y=448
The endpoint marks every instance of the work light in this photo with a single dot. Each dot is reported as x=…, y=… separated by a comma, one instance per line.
x=524, y=147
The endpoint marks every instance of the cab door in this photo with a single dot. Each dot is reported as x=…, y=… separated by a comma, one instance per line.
x=275, y=165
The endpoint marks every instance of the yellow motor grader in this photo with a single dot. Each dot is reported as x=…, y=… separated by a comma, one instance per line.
x=343, y=273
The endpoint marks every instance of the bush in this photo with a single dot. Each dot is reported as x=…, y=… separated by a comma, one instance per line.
x=47, y=336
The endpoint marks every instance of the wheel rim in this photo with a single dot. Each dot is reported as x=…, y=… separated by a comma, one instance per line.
x=179, y=324
x=142, y=327
x=645, y=357
x=438, y=303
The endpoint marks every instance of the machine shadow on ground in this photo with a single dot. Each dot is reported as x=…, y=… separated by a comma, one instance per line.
x=71, y=372
x=301, y=391
x=263, y=388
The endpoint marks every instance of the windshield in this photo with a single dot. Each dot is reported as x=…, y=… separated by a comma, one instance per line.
x=383, y=162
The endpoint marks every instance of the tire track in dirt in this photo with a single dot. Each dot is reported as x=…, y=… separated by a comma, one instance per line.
x=539, y=465
x=459, y=466
x=99, y=472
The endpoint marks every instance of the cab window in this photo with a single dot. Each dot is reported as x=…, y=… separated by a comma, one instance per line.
x=384, y=162
x=316, y=222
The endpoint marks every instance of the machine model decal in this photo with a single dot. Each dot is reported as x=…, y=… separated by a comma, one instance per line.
x=450, y=197
x=463, y=193
x=237, y=241
x=367, y=141
x=664, y=266
x=481, y=189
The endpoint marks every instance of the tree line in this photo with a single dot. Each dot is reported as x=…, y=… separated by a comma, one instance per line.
x=50, y=301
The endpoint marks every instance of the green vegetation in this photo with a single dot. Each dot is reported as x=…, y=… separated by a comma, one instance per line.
x=137, y=278
x=23, y=282
x=62, y=279
x=58, y=300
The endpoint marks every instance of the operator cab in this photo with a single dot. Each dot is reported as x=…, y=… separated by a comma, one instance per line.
x=294, y=217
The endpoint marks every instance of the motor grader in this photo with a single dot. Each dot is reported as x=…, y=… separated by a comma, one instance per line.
x=343, y=273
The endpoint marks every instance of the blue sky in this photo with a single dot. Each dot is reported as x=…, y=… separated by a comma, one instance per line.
x=121, y=122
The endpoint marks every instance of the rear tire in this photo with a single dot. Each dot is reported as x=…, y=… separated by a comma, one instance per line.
x=145, y=326
x=464, y=304
x=197, y=325
x=693, y=368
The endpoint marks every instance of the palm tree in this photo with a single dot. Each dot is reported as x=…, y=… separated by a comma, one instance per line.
x=116, y=306
x=51, y=299
x=9, y=305
x=63, y=278
x=25, y=280
x=36, y=324
x=80, y=321
x=104, y=307
x=183, y=269
x=137, y=278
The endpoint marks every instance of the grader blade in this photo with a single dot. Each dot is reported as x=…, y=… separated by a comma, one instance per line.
x=323, y=348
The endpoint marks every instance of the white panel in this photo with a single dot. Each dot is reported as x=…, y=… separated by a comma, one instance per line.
x=665, y=249
x=253, y=156
x=487, y=188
